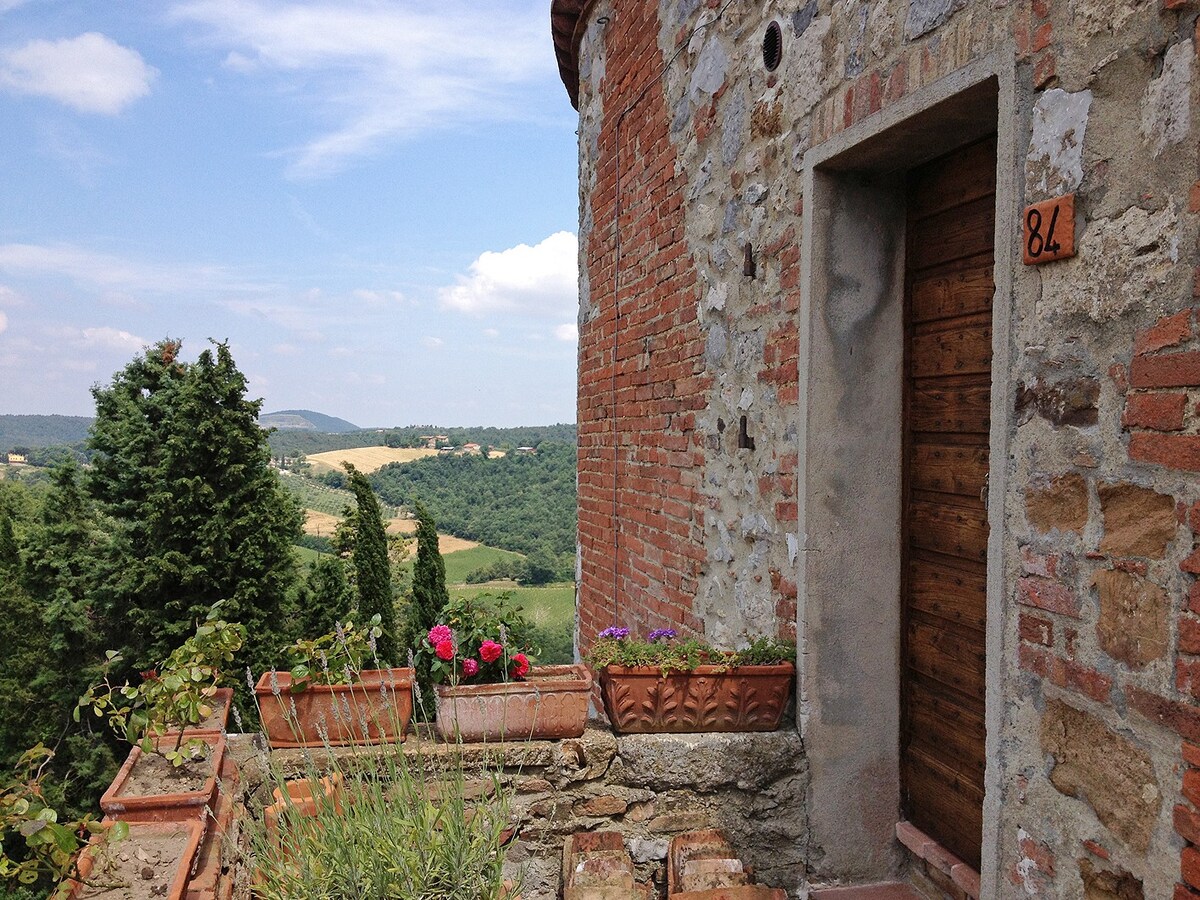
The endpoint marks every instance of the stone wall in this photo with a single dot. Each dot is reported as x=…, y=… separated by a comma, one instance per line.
x=646, y=787
x=1095, y=682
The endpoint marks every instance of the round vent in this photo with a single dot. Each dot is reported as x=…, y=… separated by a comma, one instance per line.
x=773, y=47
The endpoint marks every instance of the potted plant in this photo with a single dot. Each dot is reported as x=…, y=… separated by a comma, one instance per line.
x=485, y=686
x=36, y=847
x=328, y=698
x=154, y=861
x=172, y=771
x=664, y=684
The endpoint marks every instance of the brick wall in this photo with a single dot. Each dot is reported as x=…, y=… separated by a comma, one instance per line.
x=641, y=379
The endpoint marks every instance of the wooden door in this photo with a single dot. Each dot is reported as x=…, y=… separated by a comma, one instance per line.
x=948, y=331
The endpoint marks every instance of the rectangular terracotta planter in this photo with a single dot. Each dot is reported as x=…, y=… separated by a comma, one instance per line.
x=382, y=699
x=642, y=700
x=169, y=807
x=194, y=830
x=551, y=703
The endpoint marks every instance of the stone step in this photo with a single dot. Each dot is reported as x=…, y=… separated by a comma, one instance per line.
x=734, y=892
x=711, y=872
x=884, y=891
x=596, y=866
x=695, y=845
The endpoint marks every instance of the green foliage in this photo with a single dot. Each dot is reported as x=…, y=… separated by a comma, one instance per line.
x=334, y=658
x=482, y=640
x=403, y=827
x=519, y=502
x=461, y=564
x=318, y=494
x=428, y=597
x=296, y=443
x=372, y=567
x=175, y=696
x=550, y=612
x=673, y=655
x=31, y=432
x=196, y=513
x=35, y=846
x=328, y=598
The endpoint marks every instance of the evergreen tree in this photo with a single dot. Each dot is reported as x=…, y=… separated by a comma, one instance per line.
x=330, y=599
x=373, y=572
x=429, y=594
x=182, y=468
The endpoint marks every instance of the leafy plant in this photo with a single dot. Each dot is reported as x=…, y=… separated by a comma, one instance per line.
x=663, y=650
x=334, y=658
x=52, y=847
x=480, y=640
x=175, y=696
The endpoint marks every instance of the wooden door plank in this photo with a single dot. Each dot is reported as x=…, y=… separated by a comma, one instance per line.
x=962, y=349
x=950, y=809
x=942, y=185
x=963, y=231
x=949, y=731
x=949, y=295
x=953, y=530
x=962, y=406
x=954, y=594
x=947, y=655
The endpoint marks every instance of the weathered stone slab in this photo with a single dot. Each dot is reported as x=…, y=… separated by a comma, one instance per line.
x=1133, y=618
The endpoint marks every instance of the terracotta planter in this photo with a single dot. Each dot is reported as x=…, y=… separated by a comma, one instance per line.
x=382, y=699
x=301, y=798
x=192, y=831
x=641, y=700
x=119, y=803
x=551, y=703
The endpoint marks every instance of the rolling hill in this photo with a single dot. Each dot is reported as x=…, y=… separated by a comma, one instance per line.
x=305, y=420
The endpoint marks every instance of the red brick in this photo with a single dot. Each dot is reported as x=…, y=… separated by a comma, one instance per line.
x=1169, y=331
x=1097, y=850
x=1036, y=630
x=1174, y=4
x=1189, y=635
x=1166, y=370
x=1189, y=866
x=1174, y=451
x=1183, y=892
x=1194, y=597
x=1041, y=8
x=1083, y=680
x=1187, y=823
x=1162, y=412
x=1191, y=563
x=1187, y=677
x=1048, y=595
x=1181, y=718
x=1044, y=71
x=1191, y=754
x=1191, y=786
x=1194, y=196
x=1042, y=37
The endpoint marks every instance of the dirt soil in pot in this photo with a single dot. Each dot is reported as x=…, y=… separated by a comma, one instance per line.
x=154, y=775
x=142, y=868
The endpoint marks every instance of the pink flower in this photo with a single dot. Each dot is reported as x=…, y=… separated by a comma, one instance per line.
x=445, y=649
x=440, y=633
x=489, y=651
x=470, y=667
x=520, y=665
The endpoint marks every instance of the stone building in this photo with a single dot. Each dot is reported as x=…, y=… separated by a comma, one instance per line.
x=841, y=379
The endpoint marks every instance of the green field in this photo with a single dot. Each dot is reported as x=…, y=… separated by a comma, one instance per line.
x=313, y=494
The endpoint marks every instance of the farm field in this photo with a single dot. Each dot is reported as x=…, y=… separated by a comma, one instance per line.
x=366, y=459
x=323, y=524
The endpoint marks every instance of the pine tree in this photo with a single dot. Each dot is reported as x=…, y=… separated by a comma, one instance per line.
x=182, y=469
x=373, y=572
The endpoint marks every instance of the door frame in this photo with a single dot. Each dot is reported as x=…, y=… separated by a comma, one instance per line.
x=849, y=431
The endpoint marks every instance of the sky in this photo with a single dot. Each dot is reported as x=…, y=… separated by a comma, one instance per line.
x=374, y=202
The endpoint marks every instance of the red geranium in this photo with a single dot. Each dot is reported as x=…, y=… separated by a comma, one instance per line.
x=489, y=651
x=520, y=665
x=445, y=650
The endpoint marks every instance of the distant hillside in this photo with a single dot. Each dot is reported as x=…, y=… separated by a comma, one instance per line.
x=42, y=431
x=305, y=420
x=308, y=442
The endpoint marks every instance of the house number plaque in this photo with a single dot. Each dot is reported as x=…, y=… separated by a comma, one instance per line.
x=1049, y=232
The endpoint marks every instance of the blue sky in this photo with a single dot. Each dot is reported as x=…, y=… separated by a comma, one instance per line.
x=375, y=203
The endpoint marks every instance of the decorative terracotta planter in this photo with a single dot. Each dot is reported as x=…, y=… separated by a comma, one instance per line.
x=642, y=700
x=551, y=703
x=192, y=831
x=382, y=700
x=119, y=803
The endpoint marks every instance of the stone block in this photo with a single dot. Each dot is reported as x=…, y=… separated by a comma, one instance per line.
x=1103, y=769
x=1106, y=884
x=1137, y=521
x=1060, y=503
x=1133, y=626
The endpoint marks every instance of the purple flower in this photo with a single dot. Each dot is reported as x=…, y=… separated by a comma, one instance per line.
x=662, y=634
x=617, y=634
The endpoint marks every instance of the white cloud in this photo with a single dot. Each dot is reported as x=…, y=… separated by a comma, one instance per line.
x=90, y=73
x=381, y=71
x=105, y=338
x=567, y=332
x=3, y=322
x=541, y=280
x=380, y=298
x=433, y=343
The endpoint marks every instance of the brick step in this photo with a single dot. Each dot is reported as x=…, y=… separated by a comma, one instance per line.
x=596, y=866
x=734, y=892
x=884, y=891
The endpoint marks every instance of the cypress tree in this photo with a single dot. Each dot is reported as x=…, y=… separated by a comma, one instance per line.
x=373, y=572
x=329, y=600
x=429, y=594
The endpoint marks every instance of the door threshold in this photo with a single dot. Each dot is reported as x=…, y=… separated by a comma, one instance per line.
x=937, y=858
